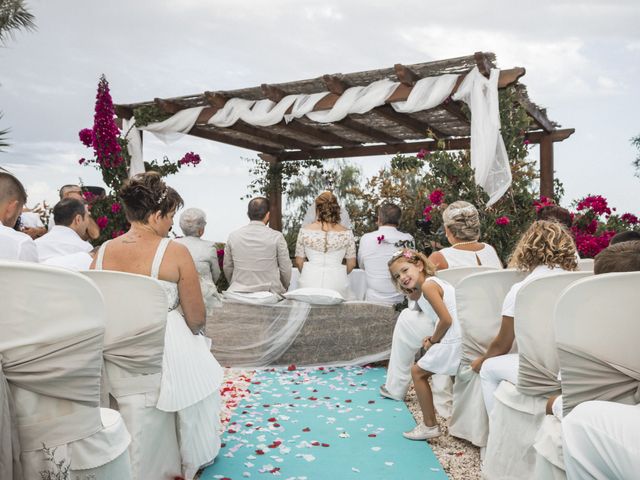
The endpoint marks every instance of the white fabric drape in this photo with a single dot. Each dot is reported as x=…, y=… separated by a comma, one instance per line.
x=488, y=153
x=427, y=93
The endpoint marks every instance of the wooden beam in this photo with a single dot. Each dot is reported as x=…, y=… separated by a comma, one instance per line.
x=373, y=133
x=455, y=109
x=216, y=100
x=273, y=137
x=483, y=63
x=168, y=106
x=546, y=166
x=334, y=84
x=405, y=75
x=216, y=136
x=275, y=194
x=404, y=119
x=538, y=115
x=555, y=136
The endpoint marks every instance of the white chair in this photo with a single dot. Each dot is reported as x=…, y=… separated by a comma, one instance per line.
x=479, y=302
x=442, y=385
x=597, y=331
x=136, y=308
x=585, y=265
x=519, y=410
x=51, y=355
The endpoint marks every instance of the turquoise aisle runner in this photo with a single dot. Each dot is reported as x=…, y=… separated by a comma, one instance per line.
x=323, y=423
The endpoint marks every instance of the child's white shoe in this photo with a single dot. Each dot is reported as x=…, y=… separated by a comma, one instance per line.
x=422, y=432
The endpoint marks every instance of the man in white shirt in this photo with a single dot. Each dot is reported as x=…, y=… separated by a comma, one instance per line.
x=256, y=258
x=13, y=245
x=376, y=248
x=74, y=191
x=69, y=234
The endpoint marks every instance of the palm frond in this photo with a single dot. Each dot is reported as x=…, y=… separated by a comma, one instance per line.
x=14, y=16
x=3, y=137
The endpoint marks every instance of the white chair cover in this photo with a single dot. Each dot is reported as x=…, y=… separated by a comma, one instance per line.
x=585, y=264
x=442, y=385
x=51, y=354
x=136, y=308
x=479, y=300
x=519, y=410
x=593, y=369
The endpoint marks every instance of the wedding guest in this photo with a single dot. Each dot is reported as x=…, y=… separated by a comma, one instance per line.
x=462, y=229
x=203, y=252
x=13, y=245
x=376, y=248
x=69, y=234
x=256, y=257
x=629, y=236
x=74, y=191
x=555, y=213
x=414, y=275
x=325, y=243
x=191, y=376
x=546, y=248
x=31, y=223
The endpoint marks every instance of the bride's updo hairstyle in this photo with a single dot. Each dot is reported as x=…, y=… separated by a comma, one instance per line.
x=462, y=220
x=146, y=193
x=327, y=208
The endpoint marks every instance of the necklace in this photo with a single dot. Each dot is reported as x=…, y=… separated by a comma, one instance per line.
x=464, y=243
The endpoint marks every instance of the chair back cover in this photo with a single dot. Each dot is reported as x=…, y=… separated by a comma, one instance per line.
x=454, y=275
x=585, y=265
x=51, y=353
x=597, y=332
x=535, y=334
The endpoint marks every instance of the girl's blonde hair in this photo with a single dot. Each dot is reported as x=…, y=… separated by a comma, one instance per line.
x=411, y=256
x=545, y=243
x=462, y=220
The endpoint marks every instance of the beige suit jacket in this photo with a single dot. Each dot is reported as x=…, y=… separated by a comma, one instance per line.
x=256, y=259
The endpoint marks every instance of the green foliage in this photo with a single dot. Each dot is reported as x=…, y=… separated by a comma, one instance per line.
x=147, y=114
x=14, y=16
x=635, y=141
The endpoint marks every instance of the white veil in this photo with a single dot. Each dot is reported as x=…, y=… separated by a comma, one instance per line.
x=310, y=216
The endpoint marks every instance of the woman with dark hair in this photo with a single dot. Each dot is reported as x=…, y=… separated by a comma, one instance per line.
x=191, y=376
x=325, y=243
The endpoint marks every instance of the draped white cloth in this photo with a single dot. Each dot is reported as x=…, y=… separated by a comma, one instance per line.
x=488, y=154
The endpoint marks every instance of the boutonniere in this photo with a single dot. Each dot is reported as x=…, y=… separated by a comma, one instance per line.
x=380, y=239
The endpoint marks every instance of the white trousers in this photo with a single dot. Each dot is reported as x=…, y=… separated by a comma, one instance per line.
x=602, y=440
x=493, y=371
x=411, y=328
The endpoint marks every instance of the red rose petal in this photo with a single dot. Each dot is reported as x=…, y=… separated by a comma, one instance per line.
x=259, y=452
x=276, y=425
x=307, y=429
x=372, y=435
x=347, y=401
x=325, y=444
x=272, y=419
x=312, y=398
x=315, y=443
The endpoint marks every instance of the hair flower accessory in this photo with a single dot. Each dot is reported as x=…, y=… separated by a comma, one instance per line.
x=163, y=195
x=380, y=239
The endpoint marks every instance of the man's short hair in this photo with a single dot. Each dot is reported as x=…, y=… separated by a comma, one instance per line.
x=11, y=188
x=67, y=188
x=629, y=236
x=65, y=211
x=555, y=213
x=621, y=257
x=258, y=208
x=389, y=214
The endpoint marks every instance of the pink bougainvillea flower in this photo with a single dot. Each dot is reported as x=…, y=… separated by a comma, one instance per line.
x=596, y=203
x=421, y=154
x=503, y=221
x=436, y=196
x=115, y=207
x=426, y=213
x=117, y=233
x=86, y=136
x=102, y=222
x=526, y=142
x=380, y=239
x=105, y=133
x=190, y=158
x=630, y=218
x=81, y=161
x=291, y=367
x=543, y=202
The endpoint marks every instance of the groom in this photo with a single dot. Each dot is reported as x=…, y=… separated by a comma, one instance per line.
x=256, y=258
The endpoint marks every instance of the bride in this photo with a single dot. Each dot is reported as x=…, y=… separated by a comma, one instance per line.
x=191, y=376
x=325, y=242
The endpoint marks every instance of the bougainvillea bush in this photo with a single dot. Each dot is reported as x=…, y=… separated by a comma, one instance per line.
x=111, y=158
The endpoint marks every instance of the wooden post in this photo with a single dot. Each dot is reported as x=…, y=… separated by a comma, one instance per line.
x=546, y=166
x=275, y=195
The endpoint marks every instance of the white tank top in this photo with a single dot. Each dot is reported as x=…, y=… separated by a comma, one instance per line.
x=487, y=257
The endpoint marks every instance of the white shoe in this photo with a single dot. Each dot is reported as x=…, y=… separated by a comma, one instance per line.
x=387, y=394
x=422, y=432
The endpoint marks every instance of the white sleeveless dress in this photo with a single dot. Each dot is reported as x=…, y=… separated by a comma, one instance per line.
x=487, y=257
x=443, y=357
x=191, y=379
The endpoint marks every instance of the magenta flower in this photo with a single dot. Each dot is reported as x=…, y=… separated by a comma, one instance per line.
x=436, y=196
x=115, y=207
x=596, y=203
x=220, y=254
x=630, y=218
x=526, y=142
x=86, y=136
x=543, y=202
x=81, y=161
x=190, y=158
x=102, y=222
x=426, y=213
x=380, y=239
x=105, y=131
x=502, y=221
x=421, y=154
x=88, y=196
x=117, y=233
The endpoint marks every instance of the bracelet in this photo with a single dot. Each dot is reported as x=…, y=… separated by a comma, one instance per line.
x=432, y=342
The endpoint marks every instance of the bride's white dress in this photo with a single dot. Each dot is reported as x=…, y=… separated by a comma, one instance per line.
x=325, y=252
x=190, y=382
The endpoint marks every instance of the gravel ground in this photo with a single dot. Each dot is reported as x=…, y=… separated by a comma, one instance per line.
x=459, y=458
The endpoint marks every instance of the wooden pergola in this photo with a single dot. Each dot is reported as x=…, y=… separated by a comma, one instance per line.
x=381, y=131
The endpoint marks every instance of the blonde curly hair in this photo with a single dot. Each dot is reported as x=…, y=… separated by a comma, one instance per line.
x=545, y=243
x=414, y=257
x=327, y=208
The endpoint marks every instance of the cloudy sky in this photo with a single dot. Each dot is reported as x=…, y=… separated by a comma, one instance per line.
x=582, y=59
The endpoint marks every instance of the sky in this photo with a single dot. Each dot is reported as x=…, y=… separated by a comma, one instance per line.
x=582, y=59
